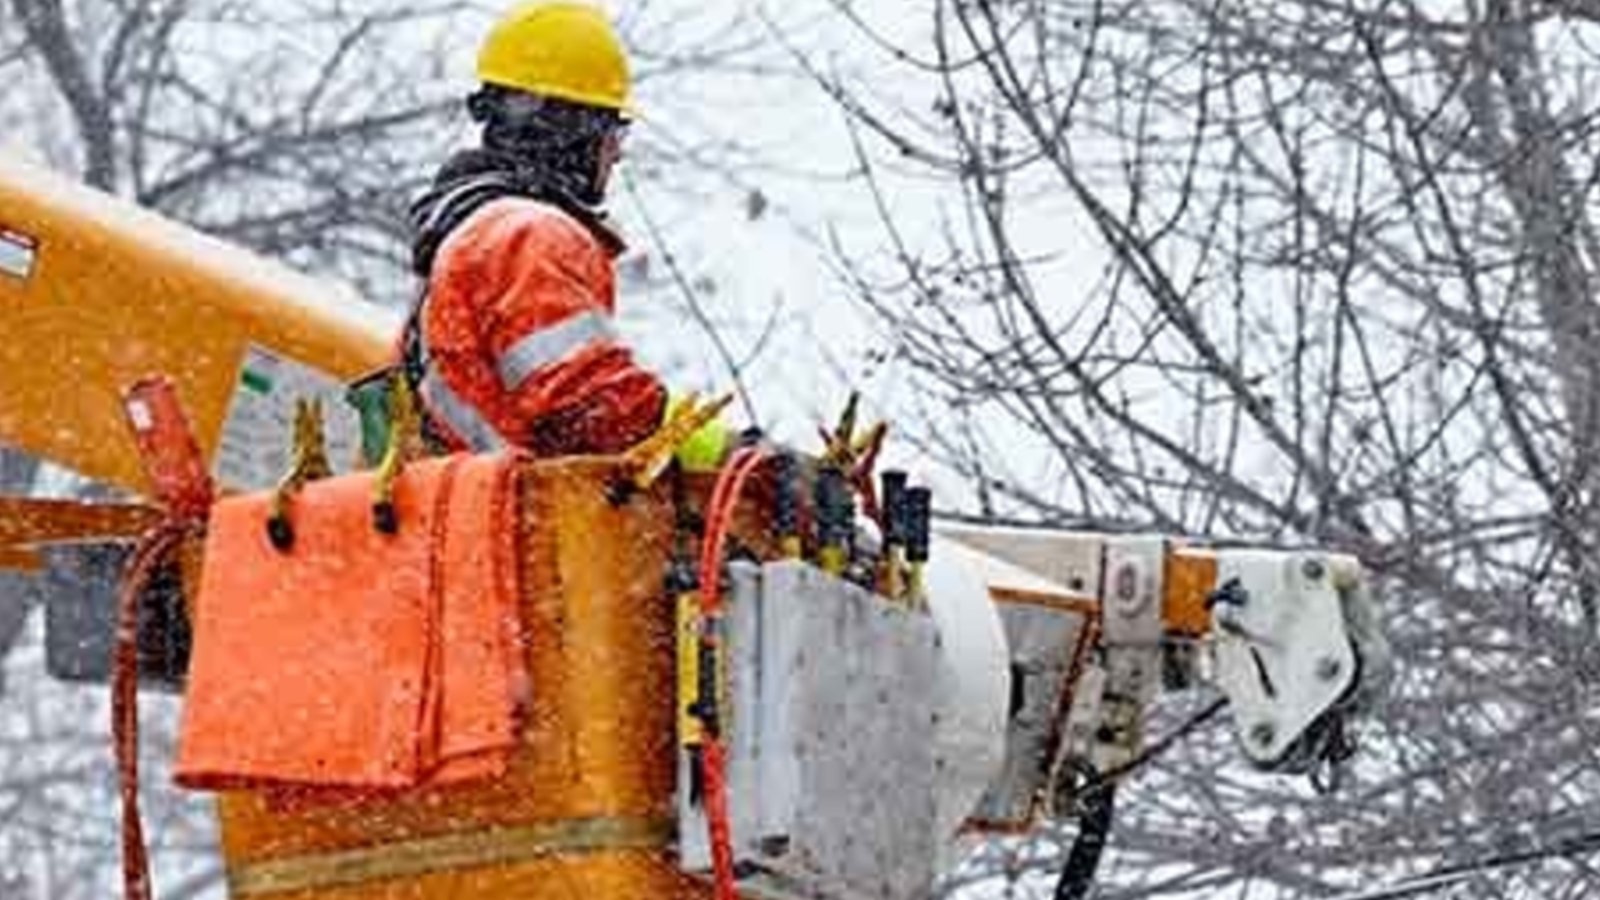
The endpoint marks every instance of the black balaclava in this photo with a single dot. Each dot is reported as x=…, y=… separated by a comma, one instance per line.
x=532, y=146
x=560, y=141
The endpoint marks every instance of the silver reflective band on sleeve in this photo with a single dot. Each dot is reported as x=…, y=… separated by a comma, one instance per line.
x=550, y=345
x=457, y=415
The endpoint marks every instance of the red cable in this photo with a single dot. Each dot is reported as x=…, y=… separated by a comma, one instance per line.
x=154, y=548
x=713, y=761
x=719, y=519
x=724, y=501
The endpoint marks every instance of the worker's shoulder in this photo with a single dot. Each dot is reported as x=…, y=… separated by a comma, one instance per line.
x=527, y=223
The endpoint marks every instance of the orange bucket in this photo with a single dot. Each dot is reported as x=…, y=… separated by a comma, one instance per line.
x=587, y=807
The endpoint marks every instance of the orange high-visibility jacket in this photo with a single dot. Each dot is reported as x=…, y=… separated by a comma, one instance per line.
x=518, y=345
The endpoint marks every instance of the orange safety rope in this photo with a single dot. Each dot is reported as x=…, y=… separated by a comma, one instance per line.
x=719, y=520
x=154, y=547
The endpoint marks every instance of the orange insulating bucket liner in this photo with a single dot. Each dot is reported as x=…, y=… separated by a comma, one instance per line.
x=359, y=660
x=585, y=808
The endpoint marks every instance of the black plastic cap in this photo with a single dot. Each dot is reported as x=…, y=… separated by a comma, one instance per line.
x=280, y=533
x=681, y=577
x=385, y=518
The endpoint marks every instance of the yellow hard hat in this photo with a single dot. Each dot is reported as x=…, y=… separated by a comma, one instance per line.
x=568, y=51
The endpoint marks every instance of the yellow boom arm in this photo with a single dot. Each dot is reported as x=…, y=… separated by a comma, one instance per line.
x=96, y=293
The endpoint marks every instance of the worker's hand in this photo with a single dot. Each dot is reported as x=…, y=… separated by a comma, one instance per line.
x=706, y=448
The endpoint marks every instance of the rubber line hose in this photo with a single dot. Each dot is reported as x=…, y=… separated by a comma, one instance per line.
x=1094, y=830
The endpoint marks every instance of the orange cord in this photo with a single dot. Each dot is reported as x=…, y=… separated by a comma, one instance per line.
x=719, y=520
x=714, y=763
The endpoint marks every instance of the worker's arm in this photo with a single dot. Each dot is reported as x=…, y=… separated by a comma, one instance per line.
x=520, y=322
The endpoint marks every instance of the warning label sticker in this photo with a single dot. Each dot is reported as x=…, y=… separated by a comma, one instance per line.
x=258, y=436
x=17, y=253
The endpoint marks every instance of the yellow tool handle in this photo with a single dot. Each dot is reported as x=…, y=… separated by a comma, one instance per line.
x=916, y=587
x=690, y=731
x=892, y=574
x=833, y=559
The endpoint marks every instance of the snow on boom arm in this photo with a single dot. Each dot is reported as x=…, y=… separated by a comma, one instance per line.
x=96, y=293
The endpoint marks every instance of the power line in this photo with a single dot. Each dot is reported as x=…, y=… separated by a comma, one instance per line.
x=1451, y=875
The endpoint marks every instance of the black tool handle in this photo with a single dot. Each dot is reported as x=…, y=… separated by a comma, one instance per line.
x=919, y=515
x=836, y=508
x=786, y=499
x=892, y=490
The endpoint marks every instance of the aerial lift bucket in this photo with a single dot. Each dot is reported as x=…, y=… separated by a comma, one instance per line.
x=587, y=807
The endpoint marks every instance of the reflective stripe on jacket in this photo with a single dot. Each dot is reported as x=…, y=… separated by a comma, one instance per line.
x=518, y=345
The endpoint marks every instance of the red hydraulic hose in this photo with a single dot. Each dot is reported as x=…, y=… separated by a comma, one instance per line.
x=719, y=520
x=714, y=763
x=154, y=548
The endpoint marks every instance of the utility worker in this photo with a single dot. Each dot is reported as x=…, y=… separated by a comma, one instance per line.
x=513, y=342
